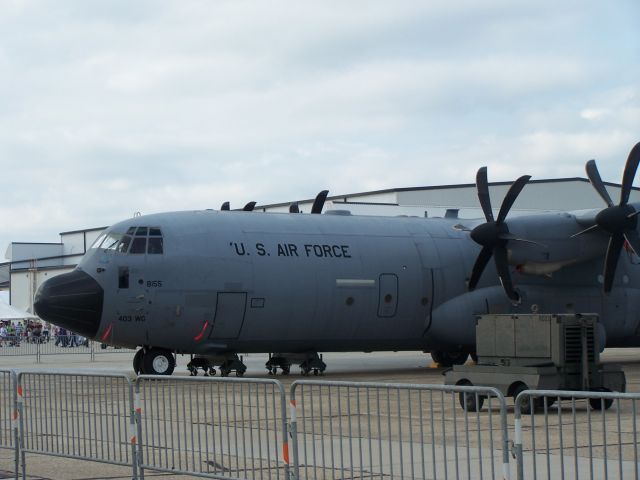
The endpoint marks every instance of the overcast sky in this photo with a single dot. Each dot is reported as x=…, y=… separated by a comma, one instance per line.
x=114, y=107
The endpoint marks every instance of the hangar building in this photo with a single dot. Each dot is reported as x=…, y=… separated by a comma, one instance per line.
x=30, y=264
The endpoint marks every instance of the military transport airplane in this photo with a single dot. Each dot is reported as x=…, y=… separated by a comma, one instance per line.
x=215, y=283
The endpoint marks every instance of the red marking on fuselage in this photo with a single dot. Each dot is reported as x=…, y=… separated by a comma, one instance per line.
x=200, y=336
x=107, y=333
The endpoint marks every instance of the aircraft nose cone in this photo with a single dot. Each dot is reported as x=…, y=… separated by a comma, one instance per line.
x=72, y=300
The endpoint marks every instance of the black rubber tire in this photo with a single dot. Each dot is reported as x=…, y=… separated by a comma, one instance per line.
x=525, y=409
x=137, y=361
x=473, y=401
x=158, y=361
x=598, y=403
x=449, y=359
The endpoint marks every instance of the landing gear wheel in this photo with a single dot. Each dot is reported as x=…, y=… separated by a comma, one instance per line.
x=286, y=369
x=158, y=361
x=601, y=403
x=470, y=401
x=224, y=372
x=137, y=361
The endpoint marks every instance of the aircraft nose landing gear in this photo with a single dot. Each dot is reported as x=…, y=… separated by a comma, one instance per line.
x=154, y=361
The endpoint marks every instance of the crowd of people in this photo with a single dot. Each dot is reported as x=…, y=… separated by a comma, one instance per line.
x=12, y=334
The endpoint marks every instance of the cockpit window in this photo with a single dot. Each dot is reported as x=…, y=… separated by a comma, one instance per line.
x=145, y=240
x=137, y=241
x=98, y=240
x=123, y=246
x=155, y=245
x=110, y=241
x=139, y=245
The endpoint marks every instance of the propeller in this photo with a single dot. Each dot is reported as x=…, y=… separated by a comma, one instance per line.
x=225, y=206
x=318, y=203
x=294, y=208
x=619, y=221
x=494, y=234
x=249, y=207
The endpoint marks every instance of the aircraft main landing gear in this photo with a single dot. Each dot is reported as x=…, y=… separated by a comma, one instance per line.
x=227, y=363
x=203, y=363
x=308, y=361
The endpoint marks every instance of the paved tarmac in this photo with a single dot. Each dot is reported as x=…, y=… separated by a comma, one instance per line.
x=387, y=367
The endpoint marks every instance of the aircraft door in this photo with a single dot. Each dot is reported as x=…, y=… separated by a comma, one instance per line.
x=229, y=317
x=388, y=296
x=432, y=277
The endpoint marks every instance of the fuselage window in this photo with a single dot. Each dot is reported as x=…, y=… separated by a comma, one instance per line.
x=139, y=245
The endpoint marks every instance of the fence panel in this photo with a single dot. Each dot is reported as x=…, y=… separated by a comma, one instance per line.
x=567, y=434
x=373, y=430
x=212, y=427
x=77, y=415
x=9, y=415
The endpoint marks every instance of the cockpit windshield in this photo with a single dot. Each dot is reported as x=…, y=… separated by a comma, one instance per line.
x=137, y=240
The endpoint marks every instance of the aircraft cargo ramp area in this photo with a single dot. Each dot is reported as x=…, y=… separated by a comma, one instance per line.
x=378, y=415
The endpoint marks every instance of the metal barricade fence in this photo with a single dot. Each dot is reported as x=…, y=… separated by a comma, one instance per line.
x=58, y=345
x=374, y=430
x=86, y=416
x=577, y=434
x=212, y=427
x=9, y=415
x=18, y=349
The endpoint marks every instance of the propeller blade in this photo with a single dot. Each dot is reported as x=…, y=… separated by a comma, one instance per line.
x=512, y=194
x=294, y=208
x=249, y=207
x=225, y=206
x=633, y=240
x=481, y=262
x=482, y=185
x=629, y=173
x=611, y=260
x=511, y=236
x=318, y=203
x=596, y=181
x=502, y=265
x=586, y=230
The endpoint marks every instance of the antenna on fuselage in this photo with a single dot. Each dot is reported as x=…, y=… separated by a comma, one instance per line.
x=318, y=203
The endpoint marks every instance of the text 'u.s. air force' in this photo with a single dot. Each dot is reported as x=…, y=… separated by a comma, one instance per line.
x=293, y=250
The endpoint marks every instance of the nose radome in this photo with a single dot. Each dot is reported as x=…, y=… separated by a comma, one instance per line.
x=72, y=300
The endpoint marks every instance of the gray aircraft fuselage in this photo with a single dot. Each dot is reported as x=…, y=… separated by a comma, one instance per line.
x=267, y=282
